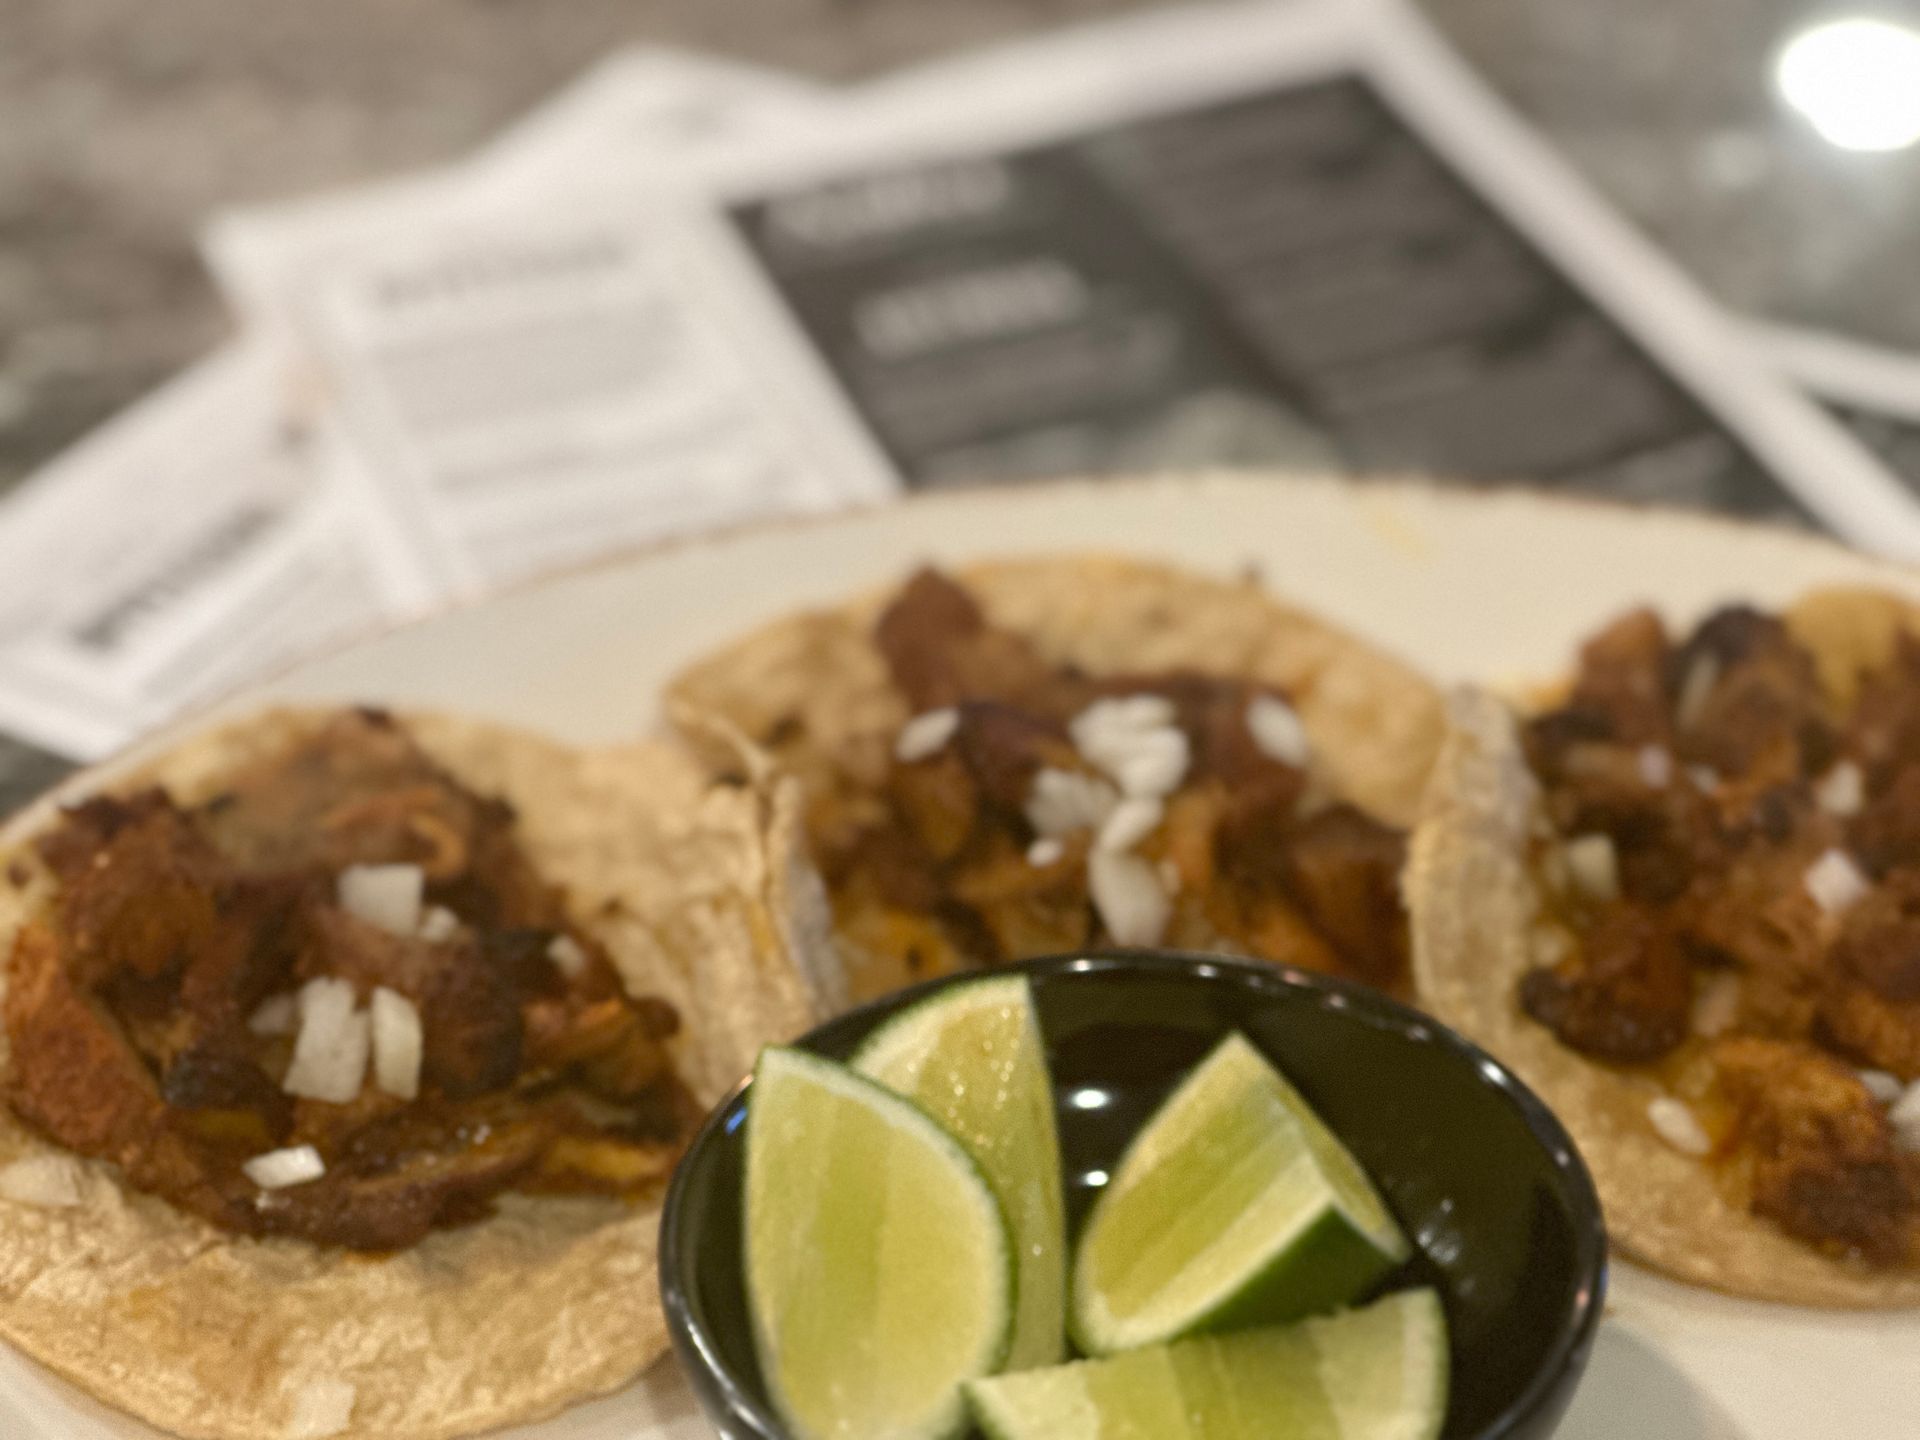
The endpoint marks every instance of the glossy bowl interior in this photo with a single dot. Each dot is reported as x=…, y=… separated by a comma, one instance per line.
x=1497, y=1201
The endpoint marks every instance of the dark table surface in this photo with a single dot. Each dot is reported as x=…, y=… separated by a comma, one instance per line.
x=123, y=123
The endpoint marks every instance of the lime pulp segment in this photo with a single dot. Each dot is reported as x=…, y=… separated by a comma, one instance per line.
x=1235, y=1206
x=972, y=1056
x=878, y=1264
x=1380, y=1373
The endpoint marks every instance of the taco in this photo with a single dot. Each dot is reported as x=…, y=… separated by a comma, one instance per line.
x=1682, y=901
x=346, y=1057
x=1043, y=755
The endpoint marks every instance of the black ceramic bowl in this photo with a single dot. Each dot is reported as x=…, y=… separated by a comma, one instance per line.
x=1482, y=1177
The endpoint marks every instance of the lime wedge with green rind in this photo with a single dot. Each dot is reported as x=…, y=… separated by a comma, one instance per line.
x=972, y=1057
x=1234, y=1207
x=1379, y=1373
x=879, y=1265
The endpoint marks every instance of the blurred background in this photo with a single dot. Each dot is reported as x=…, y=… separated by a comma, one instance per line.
x=124, y=124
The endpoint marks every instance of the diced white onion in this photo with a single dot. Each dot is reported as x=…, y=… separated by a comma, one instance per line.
x=384, y=895
x=1593, y=866
x=1129, y=897
x=1656, y=766
x=1835, y=882
x=1883, y=1087
x=567, y=955
x=1276, y=729
x=1716, y=1005
x=1123, y=713
x=1063, y=801
x=1905, y=1112
x=1131, y=822
x=275, y=1015
x=1701, y=677
x=398, y=1044
x=277, y=1169
x=330, y=1052
x=1154, y=764
x=1842, y=790
x=1905, y=1115
x=1676, y=1125
x=926, y=735
x=51, y=1182
x=438, y=924
x=1134, y=740
x=1044, y=852
x=1705, y=778
x=321, y=1408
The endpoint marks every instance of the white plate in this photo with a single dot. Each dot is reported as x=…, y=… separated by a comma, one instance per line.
x=1466, y=586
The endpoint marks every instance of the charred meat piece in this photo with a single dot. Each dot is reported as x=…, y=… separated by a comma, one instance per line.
x=1748, y=695
x=71, y=1073
x=1661, y=834
x=362, y=792
x=942, y=649
x=142, y=897
x=1879, y=942
x=1884, y=729
x=1322, y=893
x=1626, y=999
x=1344, y=869
x=469, y=1010
x=1755, y=913
x=1622, y=680
x=1886, y=832
x=359, y=791
x=1870, y=1029
x=397, y=1180
x=1826, y=1167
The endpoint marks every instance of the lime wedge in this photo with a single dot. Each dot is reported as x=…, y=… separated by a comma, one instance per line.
x=879, y=1269
x=971, y=1056
x=1234, y=1207
x=1373, y=1374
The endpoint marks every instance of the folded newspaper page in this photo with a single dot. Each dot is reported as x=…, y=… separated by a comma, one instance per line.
x=1874, y=392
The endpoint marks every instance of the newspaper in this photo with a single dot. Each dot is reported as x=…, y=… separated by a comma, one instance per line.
x=218, y=529
x=1286, y=235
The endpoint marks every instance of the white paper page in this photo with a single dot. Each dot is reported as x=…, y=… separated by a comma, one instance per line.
x=1873, y=391
x=195, y=541
x=533, y=390
x=221, y=527
x=1248, y=232
x=563, y=428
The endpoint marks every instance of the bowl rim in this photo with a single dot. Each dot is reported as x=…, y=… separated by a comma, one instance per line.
x=1591, y=1248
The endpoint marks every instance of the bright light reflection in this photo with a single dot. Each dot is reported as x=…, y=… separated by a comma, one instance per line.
x=1094, y=1178
x=1090, y=1099
x=1857, y=82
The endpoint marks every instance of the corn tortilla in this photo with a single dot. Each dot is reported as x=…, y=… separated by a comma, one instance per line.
x=699, y=894
x=1475, y=902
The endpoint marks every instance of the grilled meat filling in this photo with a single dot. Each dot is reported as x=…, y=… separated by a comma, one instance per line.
x=129, y=1004
x=1725, y=781
x=948, y=868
